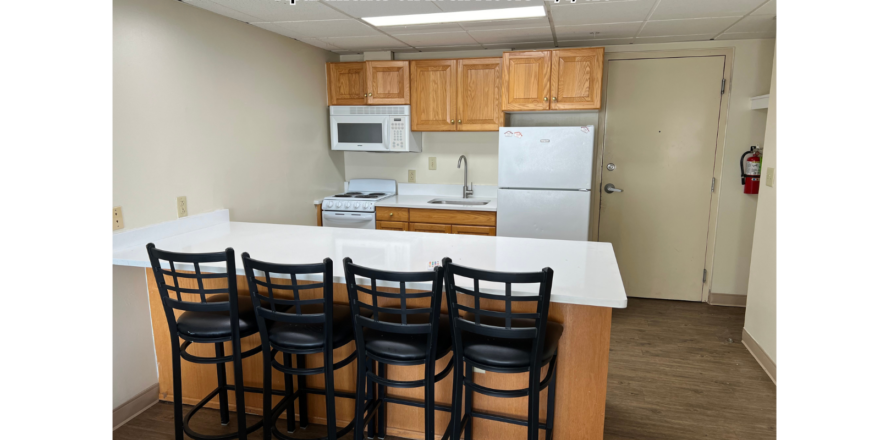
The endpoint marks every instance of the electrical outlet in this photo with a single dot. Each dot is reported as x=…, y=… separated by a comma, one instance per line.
x=181, y=207
x=432, y=163
x=770, y=175
x=411, y=176
x=117, y=218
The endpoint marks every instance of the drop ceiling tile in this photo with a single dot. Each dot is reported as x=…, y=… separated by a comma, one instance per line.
x=504, y=24
x=522, y=46
x=513, y=35
x=270, y=10
x=755, y=23
x=320, y=29
x=373, y=42
x=747, y=36
x=610, y=30
x=440, y=39
x=449, y=48
x=679, y=9
x=319, y=43
x=600, y=12
x=422, y=28
x=382, y=8
x=674, y=38
x=222, y=10
x=768, y=9
x=693, y=26
x=596, y=42
x=479, y=5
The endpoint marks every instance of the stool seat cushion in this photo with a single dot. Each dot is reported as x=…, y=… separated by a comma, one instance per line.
x=311, y=336
x=509, y=353
x=217, y=324
x=407, y=348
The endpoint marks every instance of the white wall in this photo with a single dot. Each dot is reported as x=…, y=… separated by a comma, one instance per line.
x=752, y=67
x=761, y=302
x=134, y=354
x=222, y=112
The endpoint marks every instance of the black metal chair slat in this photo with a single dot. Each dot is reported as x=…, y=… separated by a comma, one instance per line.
x=203, y=276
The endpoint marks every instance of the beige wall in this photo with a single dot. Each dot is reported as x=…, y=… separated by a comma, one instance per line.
x=134, y=354
x=222, y=112
x=752, y=67
x=761, y=303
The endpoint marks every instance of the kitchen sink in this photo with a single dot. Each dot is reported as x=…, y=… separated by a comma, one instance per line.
x=469, y=202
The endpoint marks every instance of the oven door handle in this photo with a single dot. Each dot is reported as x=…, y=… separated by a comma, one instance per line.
x=347, y=219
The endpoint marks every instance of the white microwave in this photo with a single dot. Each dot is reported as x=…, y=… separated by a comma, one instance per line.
x=384, y=128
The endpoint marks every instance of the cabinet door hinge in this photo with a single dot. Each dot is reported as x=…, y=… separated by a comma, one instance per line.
x=713, y=184
x=704, y=275
x=723, y=85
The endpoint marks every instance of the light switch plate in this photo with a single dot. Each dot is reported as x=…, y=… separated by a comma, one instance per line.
x=117, y=218
x=771, y=173
x=432, y=163
x=181, y=207
x=411, y=176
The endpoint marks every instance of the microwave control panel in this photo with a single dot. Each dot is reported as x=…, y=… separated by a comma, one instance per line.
x=398, y=132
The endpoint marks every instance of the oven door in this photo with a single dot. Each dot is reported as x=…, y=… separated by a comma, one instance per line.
x=358, y=220
x=360, y=132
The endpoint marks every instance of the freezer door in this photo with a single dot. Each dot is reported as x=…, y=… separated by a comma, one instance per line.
x=562, y=215
x=545, y=157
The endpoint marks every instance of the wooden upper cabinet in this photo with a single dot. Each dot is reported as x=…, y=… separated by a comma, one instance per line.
x=433, y=95
x=479, y=94
x=387, y=82
x=576, y=80
x=526, y=80
x=346, y=84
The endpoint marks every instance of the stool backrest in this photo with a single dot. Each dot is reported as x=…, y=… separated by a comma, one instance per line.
x=289, y=308
x=403, y=320
x=182, y=283
x=507, y=324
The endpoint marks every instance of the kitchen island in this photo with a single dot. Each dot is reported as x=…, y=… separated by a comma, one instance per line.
x=586, y=286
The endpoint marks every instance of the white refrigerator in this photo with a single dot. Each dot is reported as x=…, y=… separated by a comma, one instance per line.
x=544, y=179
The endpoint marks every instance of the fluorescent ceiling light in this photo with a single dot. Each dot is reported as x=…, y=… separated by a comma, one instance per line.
x=452, y=17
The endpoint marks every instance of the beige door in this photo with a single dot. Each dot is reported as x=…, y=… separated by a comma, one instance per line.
x=661, y=126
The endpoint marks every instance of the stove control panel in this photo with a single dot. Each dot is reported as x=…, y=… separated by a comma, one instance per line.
x=347, y=205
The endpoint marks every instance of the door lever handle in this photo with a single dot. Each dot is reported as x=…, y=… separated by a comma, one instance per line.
x=609, y=188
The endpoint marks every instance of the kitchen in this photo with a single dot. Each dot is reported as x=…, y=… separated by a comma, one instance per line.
x=523, y=152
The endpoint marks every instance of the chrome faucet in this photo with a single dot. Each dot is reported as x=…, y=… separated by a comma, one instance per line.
x=465, y=192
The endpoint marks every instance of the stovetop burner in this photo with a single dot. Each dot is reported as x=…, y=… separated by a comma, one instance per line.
x=343, y=195
x=354, y=192
x=377, y=194
x=367, y=196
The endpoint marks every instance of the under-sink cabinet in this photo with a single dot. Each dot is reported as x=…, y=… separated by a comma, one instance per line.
x=444, y=221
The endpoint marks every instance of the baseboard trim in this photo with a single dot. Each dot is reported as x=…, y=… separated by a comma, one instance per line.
x=136, y=405
x=727, y=299
x=760, y=355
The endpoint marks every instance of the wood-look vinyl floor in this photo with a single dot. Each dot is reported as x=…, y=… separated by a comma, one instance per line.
x=677, y=371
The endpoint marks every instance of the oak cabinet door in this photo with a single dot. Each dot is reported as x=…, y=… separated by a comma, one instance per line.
x=473, y=230
x=479, y=94
x=526, y=80
x=426, y=227
x=346, y=84
x=391, y=226
x=433, y=95
x=387, y=82
x=576, y=79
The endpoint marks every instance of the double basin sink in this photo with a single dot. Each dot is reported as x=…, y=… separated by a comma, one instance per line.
x=452, y=201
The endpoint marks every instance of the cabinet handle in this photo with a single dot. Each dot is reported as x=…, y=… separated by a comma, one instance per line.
x=365, y=95
x=371, y=94
x=459, y=121
x=554, y=99
x=545, y=98
x=390, y=214
x=452, y=121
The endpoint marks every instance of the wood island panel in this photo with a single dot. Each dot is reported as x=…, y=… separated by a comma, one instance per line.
x=581, y=382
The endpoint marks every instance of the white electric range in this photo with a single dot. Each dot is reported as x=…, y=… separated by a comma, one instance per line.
x=356, y=208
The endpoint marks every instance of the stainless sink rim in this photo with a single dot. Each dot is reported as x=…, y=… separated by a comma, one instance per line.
x=475, y=202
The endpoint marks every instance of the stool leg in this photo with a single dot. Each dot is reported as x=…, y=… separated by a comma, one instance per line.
x=288, y=391
x=267, y=393
x=429, y=400
x=371, y=424
x=239, y=388
x=551, y=406
x=330, y=393
x=359, y=399
x=303, y=397
x=456, y=398
x=381, y=413
x=534, y=402
x=221, y=382
x=176, y=387
x=469, y=404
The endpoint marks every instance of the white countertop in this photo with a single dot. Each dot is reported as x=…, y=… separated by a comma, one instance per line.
x=421, y=201
x=586, y=273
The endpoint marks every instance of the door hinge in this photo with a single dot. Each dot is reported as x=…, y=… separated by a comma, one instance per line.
x=713, y=184
x=723, y=85
x=704, y=275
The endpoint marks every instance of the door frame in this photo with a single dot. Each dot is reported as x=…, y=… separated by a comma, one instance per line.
x=599, y=151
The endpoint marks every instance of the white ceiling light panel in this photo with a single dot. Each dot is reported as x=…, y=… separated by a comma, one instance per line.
x=456, y=17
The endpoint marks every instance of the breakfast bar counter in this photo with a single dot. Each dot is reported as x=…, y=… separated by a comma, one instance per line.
x=586, y=286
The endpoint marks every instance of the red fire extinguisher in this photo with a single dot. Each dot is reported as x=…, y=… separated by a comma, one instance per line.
x=751, y=171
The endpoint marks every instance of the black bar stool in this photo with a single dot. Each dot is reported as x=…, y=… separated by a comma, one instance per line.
x=215, y=316
x=403, y=335
x=298, y=326
x=502, y=342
